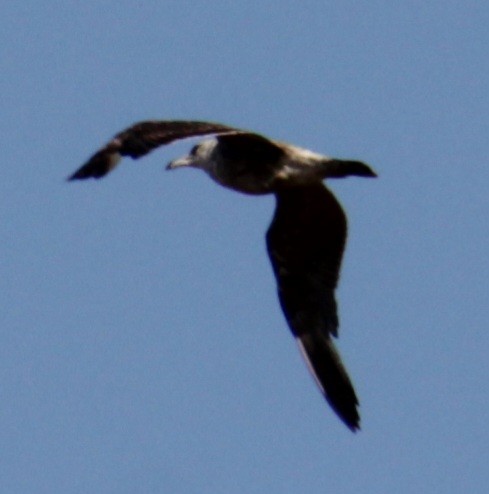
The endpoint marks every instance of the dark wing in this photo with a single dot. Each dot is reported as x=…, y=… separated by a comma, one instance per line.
x=140, y=139
x=305, y=243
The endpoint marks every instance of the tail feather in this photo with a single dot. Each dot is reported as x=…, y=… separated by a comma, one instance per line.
x=335, y=168
x=331, y=376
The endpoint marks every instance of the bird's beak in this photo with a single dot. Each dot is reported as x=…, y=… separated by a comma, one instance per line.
x=185, y=161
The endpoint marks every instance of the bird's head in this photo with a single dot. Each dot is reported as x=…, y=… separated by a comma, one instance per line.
x=200, y=156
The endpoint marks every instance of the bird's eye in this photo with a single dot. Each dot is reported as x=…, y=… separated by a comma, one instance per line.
x=193, y=151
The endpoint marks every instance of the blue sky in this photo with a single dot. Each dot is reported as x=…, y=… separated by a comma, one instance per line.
x=142, y=345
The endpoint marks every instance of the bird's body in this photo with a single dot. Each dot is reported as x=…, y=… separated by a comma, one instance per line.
x=305, y=240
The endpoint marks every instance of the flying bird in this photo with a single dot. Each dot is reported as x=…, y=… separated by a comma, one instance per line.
x=305, y=240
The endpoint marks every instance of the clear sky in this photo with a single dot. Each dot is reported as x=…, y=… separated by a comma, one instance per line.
x=142, y=346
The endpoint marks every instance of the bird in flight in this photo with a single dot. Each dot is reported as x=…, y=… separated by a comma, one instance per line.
x=305, y=240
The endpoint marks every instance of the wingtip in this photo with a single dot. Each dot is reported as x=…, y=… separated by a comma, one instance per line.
x=74, y=176
x=353, y=426
x=81, y=174
x=99, y=165
x=326, y=367
x=350, y=417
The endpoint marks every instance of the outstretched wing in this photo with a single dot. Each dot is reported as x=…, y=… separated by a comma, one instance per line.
x=305, y=243
x=140, y=139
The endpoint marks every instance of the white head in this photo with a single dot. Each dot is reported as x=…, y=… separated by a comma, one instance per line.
x=200, y=156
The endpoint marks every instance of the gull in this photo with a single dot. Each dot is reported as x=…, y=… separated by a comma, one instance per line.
x=305, y=240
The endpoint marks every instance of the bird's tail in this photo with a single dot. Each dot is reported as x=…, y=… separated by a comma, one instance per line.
x=325, y=365
x=335, y=168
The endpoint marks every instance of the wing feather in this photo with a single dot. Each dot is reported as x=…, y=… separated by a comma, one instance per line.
x=305, y=241
x=141, y=138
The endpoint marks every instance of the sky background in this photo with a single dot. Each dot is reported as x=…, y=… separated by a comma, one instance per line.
x=142, y=346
